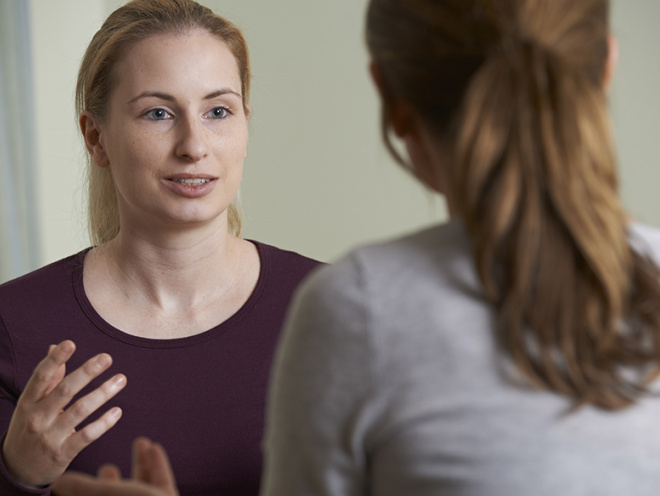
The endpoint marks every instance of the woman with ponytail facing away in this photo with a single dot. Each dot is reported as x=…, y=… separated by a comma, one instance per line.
x=513, y=350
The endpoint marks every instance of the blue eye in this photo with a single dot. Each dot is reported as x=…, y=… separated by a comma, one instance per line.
x=219, y=113
x=158, y=114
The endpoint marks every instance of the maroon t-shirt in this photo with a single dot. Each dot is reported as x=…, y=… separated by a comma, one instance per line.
x=202, y=397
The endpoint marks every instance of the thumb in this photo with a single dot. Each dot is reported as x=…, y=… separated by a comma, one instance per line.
x=152, y=465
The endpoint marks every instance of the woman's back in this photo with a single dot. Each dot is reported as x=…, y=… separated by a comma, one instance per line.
x=510, y=352
x=404, y=390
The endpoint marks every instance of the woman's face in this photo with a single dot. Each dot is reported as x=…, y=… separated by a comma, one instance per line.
x=176, y=132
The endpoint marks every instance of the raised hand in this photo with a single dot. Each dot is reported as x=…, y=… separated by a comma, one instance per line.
x=42, y=438
x=152, y=476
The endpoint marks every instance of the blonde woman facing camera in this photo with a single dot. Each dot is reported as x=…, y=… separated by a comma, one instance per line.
x=510, y=351
x=187, y=310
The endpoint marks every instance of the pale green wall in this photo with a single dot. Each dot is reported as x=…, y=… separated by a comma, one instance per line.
x=317, y=179
x=61, y=30
x=635, y=104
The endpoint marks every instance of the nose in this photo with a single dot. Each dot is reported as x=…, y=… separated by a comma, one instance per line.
x=191, y=145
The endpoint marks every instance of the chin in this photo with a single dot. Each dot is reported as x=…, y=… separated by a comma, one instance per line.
x=200, y=219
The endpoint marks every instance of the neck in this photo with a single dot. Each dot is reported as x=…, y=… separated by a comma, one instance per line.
x=180, y=268
x=433, y=167
x=163, y=284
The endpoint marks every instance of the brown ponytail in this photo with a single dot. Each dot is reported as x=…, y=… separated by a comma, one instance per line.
x=534, y=177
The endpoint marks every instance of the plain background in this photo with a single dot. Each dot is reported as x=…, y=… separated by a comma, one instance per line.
x=317, y=178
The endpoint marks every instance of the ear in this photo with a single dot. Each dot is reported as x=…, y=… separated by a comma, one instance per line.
x=377, y=78
x=91, y=132
x=611, y=62
x=398, y=113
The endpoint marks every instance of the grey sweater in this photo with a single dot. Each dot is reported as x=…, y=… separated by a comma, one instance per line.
x=388, y=382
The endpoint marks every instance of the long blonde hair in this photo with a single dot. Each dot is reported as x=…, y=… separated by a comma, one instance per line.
x=514, y=90
x=126, y=26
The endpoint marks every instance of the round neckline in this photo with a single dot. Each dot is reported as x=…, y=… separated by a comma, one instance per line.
x=118, y=334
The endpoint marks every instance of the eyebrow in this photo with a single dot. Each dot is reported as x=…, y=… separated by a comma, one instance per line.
x=170, y=98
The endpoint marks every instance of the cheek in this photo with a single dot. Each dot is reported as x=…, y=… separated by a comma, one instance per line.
x=137, y=153
x=234, y=167
x=416, y=157
x=234, y=148
x=132, y=165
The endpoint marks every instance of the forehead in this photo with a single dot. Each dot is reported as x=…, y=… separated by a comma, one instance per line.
x=191, y=62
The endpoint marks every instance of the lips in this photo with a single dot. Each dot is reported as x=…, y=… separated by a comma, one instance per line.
x=191, y=185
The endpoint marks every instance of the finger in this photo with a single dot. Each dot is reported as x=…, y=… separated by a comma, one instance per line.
x=88, y=404
x=161, y=474
x=83, y=438
x=59, y=374
x=47, y=370
x=141, y=447
x=109, y=472
x=77, y=484
x=73, y=383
